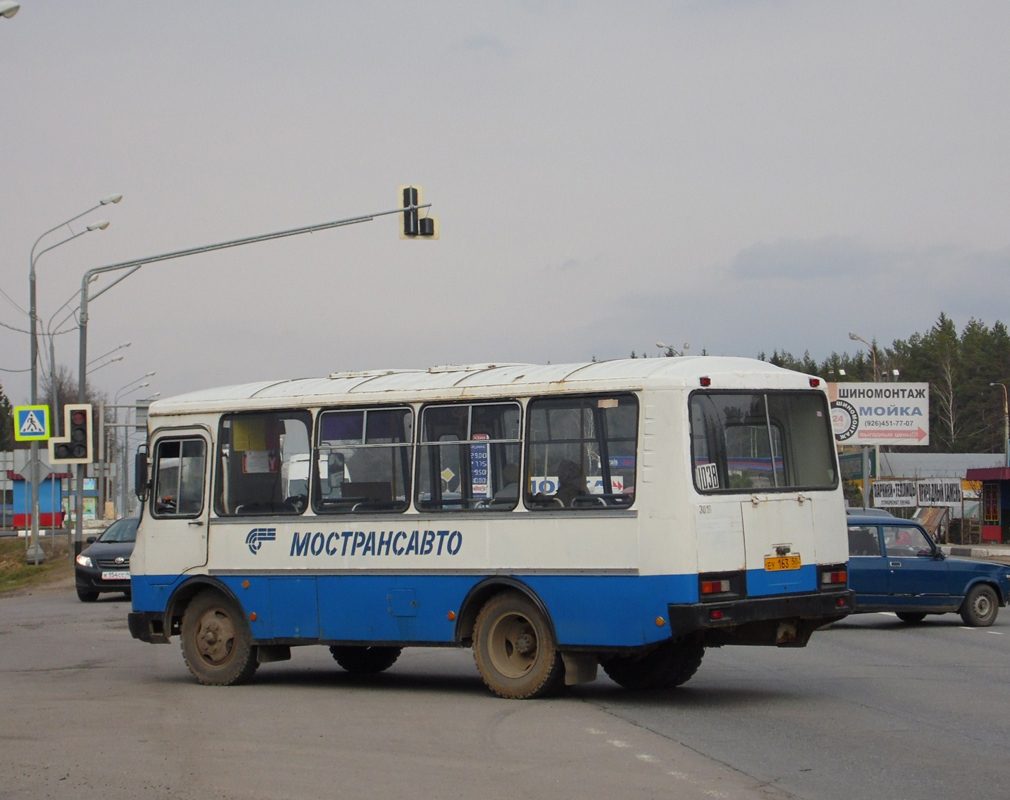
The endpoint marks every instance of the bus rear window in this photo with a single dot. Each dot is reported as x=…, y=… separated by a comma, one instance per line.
x=761, y=441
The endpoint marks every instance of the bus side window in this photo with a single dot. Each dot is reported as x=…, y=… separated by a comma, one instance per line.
x=581, y=452
x=179, y=470
x=363, y=460
x=469, y=457
x=263, y=463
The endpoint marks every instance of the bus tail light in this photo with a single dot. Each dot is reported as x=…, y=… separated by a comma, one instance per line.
x=718, y=587
x=834, y=577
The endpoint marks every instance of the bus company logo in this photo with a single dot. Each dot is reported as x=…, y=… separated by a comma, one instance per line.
x=257, y=536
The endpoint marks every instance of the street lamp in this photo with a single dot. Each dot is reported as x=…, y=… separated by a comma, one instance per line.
x=8, y=8
x=137, y=263
x=670, y=351
x=1006, y=424
x=105, y=364
x=873, y=352
x=33, y=258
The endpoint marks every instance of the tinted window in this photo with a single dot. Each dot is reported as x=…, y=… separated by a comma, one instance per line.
x=122, y=530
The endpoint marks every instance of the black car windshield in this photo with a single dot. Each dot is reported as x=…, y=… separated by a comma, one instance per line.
x=122, y=530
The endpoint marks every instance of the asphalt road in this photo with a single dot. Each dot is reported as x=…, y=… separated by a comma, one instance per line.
x=872, y=709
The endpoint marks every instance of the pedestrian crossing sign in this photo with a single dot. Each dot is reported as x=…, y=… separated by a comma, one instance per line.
x=31, y=423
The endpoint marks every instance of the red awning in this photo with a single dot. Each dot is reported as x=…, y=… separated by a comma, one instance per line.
x=989, y=474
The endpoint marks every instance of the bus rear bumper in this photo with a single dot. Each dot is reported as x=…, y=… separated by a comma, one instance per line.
x=148, y=626
x=781, y=621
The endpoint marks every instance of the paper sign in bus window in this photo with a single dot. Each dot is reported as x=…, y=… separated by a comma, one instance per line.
x=249, y=434
x=259, y=461
x=706, y=476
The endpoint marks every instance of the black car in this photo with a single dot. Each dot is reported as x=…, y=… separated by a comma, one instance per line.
x=104, y=566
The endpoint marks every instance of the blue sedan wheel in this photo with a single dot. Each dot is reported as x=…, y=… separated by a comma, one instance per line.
x=980, y=607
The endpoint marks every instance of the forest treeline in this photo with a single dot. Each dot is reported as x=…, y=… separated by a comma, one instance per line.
x=966, y=413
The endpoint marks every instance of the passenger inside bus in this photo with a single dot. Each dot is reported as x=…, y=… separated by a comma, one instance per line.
x=509, y=492
x=570, y=483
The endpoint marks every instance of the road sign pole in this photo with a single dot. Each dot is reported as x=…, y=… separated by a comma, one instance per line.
x=866, y=476
x=34, y=552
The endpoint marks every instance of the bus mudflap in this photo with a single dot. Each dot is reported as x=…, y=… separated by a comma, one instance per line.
x=148, y=626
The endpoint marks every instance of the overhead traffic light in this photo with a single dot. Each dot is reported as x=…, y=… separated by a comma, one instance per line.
x=417, y=223
x=75, y=446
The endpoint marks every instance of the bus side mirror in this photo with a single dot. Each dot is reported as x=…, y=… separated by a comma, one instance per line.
x=140, y=476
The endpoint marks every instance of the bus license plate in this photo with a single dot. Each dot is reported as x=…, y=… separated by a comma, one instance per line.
x=116, y=575
x=778, y=563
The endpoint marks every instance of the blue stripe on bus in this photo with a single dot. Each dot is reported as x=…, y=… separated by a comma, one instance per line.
x=762, y=583
x=587, y=610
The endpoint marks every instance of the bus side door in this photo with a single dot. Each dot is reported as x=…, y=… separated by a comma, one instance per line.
x=176, y=538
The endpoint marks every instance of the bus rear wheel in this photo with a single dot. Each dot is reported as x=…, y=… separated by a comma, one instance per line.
x=365, y=660
x=514, y=648
x=216, y=641
x=664, y=667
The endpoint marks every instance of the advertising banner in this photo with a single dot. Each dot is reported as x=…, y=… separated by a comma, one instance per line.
x=939, y=492
x=895, y=494
x=880, y=413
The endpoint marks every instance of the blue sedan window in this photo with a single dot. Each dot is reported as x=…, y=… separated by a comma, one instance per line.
x=863, y=541
x=902, y=540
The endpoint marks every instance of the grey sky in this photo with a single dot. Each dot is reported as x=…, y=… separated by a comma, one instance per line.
x=743, y=176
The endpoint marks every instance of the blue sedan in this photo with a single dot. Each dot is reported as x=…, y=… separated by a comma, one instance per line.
x=895, y=566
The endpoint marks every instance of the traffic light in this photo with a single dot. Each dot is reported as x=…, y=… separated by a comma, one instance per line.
x=75, y=446
x=417, y=223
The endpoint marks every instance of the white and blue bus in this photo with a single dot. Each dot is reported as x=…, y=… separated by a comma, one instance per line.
x=624, y=514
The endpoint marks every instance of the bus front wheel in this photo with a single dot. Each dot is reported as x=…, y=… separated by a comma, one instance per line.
x=216, y=641
x=514, y=648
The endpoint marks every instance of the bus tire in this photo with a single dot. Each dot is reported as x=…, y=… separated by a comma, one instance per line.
x=86, y=596
x=911, y=617
x=665, y=667
x=365, y=660
x=515, y=650
x=980, y=607
x=216, y=641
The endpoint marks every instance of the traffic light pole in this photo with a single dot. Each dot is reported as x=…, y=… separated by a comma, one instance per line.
x=136, y=264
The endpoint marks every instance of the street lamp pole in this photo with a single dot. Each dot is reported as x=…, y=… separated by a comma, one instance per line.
x=34, y=347
x=873, y=353
x=137, y=263
x=1006, y=424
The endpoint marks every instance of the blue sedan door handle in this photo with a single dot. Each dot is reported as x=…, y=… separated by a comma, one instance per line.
x=895, y=564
